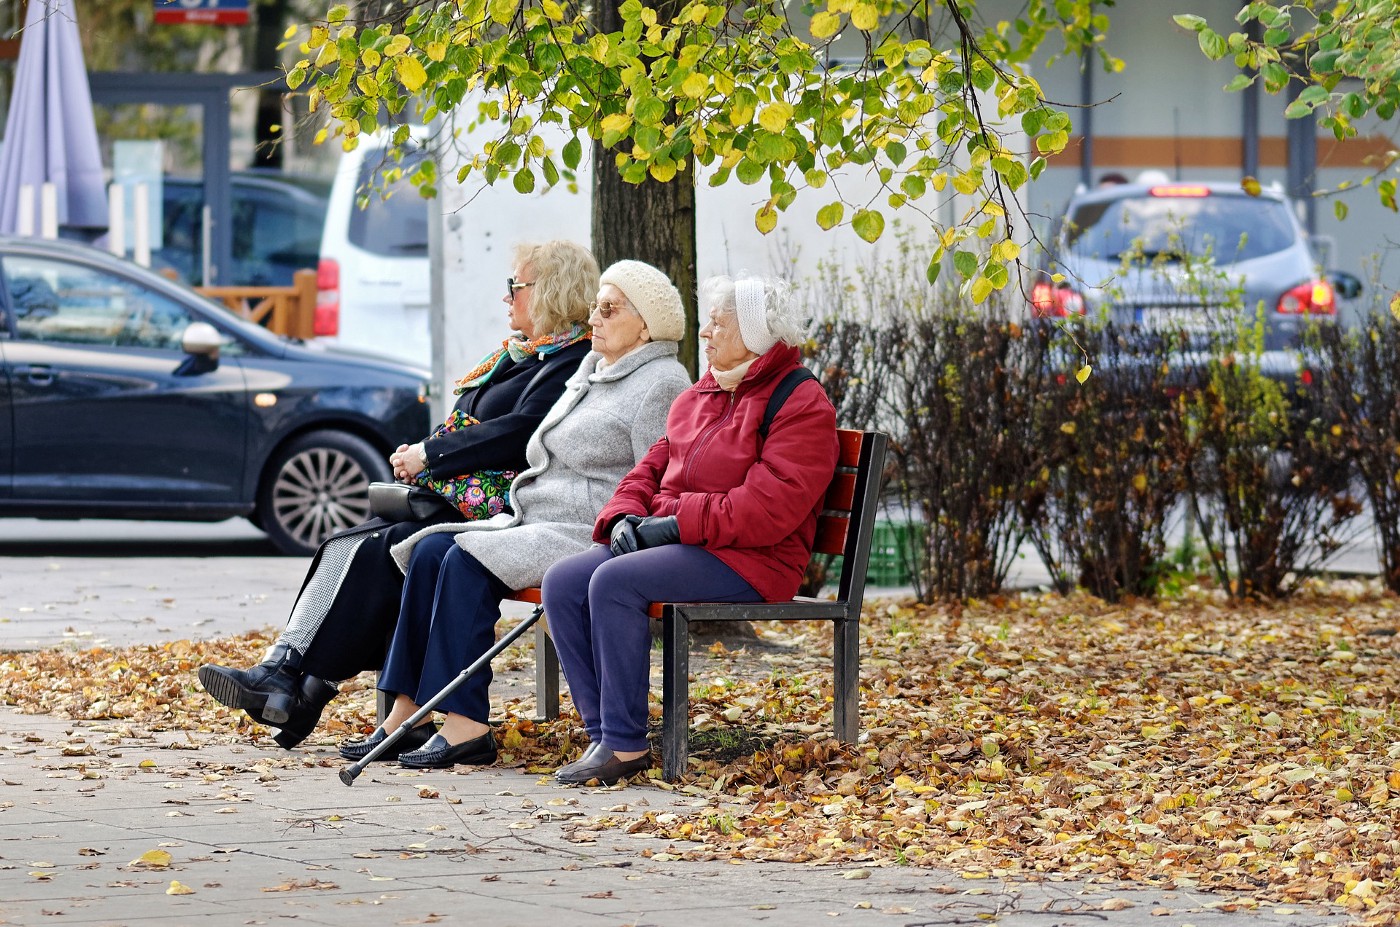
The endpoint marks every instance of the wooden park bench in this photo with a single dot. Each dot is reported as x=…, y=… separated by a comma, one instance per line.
x=845, y=527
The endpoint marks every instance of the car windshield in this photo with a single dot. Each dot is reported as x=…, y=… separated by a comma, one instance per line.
x=1226, y=228
x=391, y=218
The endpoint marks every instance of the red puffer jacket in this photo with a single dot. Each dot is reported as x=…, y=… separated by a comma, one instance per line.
x=753, y=508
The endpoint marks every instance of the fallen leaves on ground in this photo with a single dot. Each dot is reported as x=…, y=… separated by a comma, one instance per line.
x=1188, y=742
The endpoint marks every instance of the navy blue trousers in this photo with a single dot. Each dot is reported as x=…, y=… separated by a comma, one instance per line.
x=447, y=619
x=597, y=609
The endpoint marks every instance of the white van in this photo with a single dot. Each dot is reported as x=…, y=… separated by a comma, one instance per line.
x=373, y=272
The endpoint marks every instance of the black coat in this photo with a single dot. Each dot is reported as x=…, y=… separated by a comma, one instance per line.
x=354, y=633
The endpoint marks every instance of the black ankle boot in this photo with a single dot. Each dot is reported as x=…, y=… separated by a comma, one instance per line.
x=266, y=691
x=304, y=712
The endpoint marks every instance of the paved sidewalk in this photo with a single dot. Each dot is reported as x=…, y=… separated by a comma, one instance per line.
x=256, y=835
x=89, y=816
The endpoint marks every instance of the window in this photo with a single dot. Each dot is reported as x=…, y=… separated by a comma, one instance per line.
x=1228, y=228
x=62, y=302
x=394, y=220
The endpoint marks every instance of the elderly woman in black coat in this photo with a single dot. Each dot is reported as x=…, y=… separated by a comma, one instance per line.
x=349, y=602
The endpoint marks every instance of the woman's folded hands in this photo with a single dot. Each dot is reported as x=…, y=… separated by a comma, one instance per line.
x=636, y=532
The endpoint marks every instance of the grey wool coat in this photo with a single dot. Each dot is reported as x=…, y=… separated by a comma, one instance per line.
x=597, y=431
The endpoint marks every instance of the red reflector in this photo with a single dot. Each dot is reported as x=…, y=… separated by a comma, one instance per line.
x=327, y=318
x=1179, y=190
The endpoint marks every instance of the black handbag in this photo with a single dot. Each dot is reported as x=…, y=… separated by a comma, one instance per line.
x=402, y=502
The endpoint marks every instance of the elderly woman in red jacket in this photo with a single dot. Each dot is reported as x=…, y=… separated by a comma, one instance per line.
x=712, y=513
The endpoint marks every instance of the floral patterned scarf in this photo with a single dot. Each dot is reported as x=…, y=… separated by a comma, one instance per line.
x=517, y=349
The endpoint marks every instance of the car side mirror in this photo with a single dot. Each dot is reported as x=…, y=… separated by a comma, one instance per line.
x=202, y=339
x=1348, y=286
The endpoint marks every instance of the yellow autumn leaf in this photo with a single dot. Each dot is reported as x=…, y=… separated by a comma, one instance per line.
x=766, y=219
x=152, y=859
x=370, y=57
x=178, y=888
x=824, y=24
x=1252, y=186
x=1083, y=373
x=865, y=16
x=695, y=86
x=1140, y=482
x=436, y=51
x=1068, y=428
x=410, y=74
x=1395, y=305
x=617, y=122
x=397, y=45
x=775, y=116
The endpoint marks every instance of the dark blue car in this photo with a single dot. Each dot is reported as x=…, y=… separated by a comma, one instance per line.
x=125, y=395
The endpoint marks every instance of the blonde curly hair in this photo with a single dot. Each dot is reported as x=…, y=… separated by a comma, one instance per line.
x=566, y=282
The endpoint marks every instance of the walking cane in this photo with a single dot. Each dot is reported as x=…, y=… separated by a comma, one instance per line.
x=349, y=774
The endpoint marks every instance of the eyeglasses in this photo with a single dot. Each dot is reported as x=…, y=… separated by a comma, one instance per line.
x=512, y=286
x=608, y=310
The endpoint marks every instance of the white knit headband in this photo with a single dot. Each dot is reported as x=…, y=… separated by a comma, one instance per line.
x=753, y=318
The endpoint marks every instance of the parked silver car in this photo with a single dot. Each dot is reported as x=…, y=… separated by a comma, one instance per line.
x=1195, y=257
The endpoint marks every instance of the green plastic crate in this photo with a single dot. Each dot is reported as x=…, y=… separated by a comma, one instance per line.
x=893, y=547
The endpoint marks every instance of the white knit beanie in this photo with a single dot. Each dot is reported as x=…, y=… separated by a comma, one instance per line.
x=749, y=305
x=653, y=295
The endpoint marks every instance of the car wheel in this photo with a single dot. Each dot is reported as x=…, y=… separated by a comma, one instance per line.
x=315, y=486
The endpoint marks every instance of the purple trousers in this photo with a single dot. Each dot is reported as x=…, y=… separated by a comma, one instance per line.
x=596, y=605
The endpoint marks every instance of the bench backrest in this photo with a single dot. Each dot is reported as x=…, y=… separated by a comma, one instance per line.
x=847, y=522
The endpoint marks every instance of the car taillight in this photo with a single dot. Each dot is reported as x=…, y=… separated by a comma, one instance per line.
x=1050, y=300
x=327, y=321
x=1312, y=298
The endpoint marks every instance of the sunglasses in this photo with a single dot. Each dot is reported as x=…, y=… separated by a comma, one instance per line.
x=608, y=310
x=512, y=285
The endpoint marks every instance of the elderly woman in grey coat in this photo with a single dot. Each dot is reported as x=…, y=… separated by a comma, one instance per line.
x=611, y=412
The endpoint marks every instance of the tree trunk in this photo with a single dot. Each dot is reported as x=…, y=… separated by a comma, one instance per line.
x=655, y=222
x=652, y=221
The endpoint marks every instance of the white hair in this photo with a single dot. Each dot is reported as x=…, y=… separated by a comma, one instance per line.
x=786, y=323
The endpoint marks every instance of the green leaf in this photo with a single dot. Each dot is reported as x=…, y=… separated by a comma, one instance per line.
x=830, y=215
x=1212, y=44
x=935, y=267
x=869, y=224
x=965, y=263
x=572, y=153
x=1190, y=21
x=1339, y=209
x=1240, y=82
x=524, y=181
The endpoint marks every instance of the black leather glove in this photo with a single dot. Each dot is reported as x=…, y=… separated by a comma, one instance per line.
x=624, y=538
x=658, y=530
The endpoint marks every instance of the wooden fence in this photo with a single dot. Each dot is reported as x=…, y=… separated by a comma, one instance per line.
x=286, y=310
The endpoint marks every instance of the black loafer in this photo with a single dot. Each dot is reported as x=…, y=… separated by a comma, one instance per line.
x=437, y=753
x=590, y=758
x=607, y=771
x=411, y=740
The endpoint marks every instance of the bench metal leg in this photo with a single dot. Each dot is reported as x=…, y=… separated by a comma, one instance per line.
x=845, y=695
x=546, y=674
x=675, y=695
